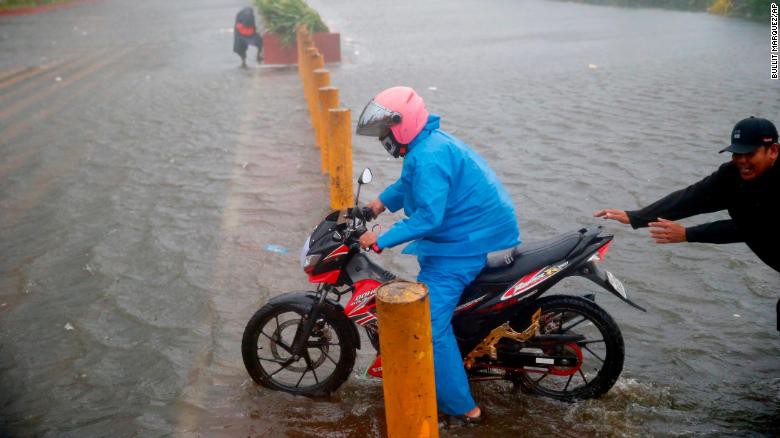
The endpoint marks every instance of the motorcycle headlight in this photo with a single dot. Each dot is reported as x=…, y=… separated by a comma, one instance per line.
x=304, y=251
x=309, y=262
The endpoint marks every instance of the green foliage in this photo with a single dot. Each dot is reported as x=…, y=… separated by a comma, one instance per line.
x=14, y=4
x=754, y=9
x=283, y=16
x=687, y=5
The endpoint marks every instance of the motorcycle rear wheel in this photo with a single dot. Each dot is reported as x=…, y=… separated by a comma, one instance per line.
x=325, y=363
x=601, y=353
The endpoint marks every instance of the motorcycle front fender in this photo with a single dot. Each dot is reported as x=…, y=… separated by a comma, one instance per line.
x=608, y=281
x=306, y=299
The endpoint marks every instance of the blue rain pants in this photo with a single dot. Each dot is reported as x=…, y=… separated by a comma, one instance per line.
x=446, y=278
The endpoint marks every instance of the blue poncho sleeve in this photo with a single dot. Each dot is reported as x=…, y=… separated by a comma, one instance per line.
x=393, y=196
x=429, y=190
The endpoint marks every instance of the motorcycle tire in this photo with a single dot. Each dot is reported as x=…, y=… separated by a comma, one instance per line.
x=603, y=347
x=270, y=332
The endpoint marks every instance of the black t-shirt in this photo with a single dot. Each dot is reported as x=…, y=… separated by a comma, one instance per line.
x=752, y=205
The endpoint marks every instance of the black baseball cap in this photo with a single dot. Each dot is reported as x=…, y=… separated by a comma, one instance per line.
x=750, y=133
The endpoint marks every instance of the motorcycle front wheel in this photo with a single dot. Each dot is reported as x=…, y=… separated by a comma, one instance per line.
x=325, y=362
x=599, y=355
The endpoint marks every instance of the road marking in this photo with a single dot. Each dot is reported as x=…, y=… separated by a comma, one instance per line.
x=32, y=73
x=15, y=209
x=11, y=131
x=13, y=72
x=14, y=162
x=26, y=102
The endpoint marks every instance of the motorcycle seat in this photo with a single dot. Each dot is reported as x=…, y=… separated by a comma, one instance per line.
x=511, y=264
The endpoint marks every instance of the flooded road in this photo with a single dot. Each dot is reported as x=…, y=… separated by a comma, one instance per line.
x=143, y=175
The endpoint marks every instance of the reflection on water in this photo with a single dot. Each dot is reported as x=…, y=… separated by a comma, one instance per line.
x=139, y=193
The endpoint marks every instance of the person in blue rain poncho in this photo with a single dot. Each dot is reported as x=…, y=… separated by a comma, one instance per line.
x=457, y=211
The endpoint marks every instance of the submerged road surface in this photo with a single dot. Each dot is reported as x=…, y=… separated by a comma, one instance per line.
x=143, y=176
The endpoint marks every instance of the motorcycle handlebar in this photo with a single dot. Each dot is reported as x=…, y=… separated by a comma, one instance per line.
x=367, y=213
x=356, y=236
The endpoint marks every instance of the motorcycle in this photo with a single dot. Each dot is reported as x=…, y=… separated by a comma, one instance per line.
x=560, y=346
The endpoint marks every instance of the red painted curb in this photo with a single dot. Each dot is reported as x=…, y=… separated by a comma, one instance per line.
x=43, y=8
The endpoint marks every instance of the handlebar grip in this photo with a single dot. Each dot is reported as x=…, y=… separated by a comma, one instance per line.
x=368, y=214
x=376, y=248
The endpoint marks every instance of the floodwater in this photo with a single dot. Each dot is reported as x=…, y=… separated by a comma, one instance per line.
x=143, y=175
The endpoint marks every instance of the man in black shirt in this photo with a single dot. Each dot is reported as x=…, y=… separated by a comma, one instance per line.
x=748, y=187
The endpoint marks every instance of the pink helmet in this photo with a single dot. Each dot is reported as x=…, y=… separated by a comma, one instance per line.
x=399, y=110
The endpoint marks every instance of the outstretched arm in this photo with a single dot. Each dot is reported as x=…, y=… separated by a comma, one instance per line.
x=725, y=231
x=702, y=197
x=614, y=214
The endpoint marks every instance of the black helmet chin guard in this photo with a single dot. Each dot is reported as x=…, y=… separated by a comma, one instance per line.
x=392, y=146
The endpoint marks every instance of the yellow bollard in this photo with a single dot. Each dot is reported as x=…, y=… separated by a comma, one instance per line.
x=321, y=79
x=340, y=143
x=308, y=79
x=317, y=60
x=303, y=62
x=307, y=43
x=299, y=39
x=407, y=359
x=329, y=99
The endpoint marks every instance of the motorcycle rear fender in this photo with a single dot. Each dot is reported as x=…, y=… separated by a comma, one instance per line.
x=306, y=299
x=599, y=276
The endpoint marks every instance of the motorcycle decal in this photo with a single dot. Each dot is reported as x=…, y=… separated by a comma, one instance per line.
x=328, y=277
x=363, y=318
x=532, y=280
x=614, y=282
x=364, y=296
x=466, y=306
x=361, y=307
x=375, y=370
x=600, y=253
x=337, y=252
x=499, y=306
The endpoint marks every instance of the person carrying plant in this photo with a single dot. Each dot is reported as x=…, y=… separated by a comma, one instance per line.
x=245, y=35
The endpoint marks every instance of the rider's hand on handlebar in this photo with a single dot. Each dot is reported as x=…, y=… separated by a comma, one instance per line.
x=368, y=239
x=376, y=206
x=367, y=213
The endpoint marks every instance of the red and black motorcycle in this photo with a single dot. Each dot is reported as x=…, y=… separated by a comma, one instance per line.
x=560, y=346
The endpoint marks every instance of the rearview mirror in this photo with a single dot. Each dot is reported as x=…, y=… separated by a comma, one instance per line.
x=365, y=177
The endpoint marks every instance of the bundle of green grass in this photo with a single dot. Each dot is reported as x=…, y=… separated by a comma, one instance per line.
x=283, y=16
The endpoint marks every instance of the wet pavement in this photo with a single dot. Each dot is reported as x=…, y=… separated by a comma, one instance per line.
x=143, y=174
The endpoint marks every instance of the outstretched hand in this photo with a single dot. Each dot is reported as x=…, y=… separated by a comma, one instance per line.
x=614, y=214
x=666, y=231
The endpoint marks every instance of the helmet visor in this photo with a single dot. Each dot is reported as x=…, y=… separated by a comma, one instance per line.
x=376, y=120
